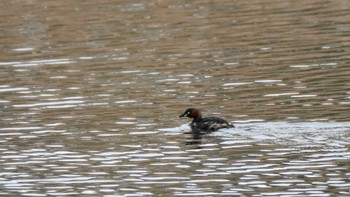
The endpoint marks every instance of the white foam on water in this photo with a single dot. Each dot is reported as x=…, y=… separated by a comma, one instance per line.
x=302, y=133
x=335, y=134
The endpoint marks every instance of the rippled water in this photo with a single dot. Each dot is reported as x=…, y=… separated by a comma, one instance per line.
x=90, y=94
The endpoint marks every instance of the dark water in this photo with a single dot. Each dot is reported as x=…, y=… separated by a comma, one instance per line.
x=90, y=93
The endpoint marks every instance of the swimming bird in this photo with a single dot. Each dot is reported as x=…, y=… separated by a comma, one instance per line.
x=205, y=125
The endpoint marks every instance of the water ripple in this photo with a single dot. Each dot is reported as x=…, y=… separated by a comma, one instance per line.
x=90, y=106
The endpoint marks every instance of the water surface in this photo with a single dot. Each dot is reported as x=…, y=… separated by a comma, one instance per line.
x=90, y=94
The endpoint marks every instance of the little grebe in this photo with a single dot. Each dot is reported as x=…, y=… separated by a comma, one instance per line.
x=205, y=125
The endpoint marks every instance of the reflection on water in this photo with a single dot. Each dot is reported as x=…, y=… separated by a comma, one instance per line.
x=267, y=158
x=90, y=94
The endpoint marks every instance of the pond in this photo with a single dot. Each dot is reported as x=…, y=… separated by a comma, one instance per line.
x=91, y=91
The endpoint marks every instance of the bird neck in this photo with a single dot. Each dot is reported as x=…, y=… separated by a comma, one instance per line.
x=197, y=118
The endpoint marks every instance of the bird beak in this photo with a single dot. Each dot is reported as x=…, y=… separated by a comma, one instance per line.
x=182, y=115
